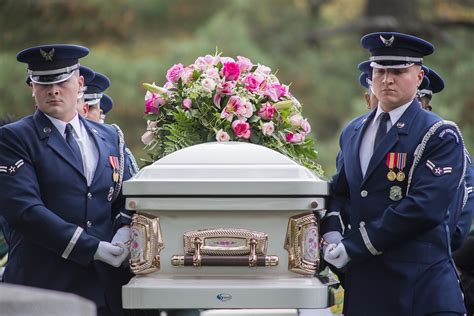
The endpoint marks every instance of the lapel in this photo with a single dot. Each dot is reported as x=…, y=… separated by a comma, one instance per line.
x=46, y=130
x=102, y=148
x=401, y=127
x=353, y=161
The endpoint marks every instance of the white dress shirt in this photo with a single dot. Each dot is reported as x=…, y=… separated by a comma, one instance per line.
x=367, y=146
x=89, y=152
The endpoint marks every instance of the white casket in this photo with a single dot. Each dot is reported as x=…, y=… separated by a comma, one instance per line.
x=225, y=225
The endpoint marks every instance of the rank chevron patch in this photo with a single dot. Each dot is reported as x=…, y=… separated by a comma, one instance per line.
x=438, y=171
x=11, y=170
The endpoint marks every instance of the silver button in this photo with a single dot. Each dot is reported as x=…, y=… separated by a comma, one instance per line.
x=349, y=227
x=364, y=193
x=89, y=195
x=89, y=224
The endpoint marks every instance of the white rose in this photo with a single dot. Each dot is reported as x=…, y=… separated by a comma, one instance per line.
x=208, y=85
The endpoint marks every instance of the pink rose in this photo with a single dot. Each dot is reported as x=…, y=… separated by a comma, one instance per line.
x=267, y=111
x=305, y=126
x=244, y=63
x=241, y=129
x=294, y=137
x=251, y=83
x=222, y=136
x=231, y=71
x=187, y=103
x=268, y=128
x=174, y=73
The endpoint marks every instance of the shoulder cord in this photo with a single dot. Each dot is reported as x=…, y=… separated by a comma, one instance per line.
x=133, y=161
x=421, y=148
x=118, y=185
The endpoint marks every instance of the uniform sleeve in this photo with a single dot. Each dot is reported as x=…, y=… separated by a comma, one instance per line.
x=463, y=221
x=435, y=181
x=337, y=201
x=23, y=208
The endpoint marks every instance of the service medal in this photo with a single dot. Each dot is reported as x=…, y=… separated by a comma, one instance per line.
x=390, y=162
x=391, y=175
x=395, y=193
x=401, y=163
x=115, y=166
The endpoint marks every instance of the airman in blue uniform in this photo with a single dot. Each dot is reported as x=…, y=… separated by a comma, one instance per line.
x=399, y=169
x=61, y=195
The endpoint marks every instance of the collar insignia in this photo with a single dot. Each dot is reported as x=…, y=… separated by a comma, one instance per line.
x=387, y=42
x=48, y=56
x=400, y=125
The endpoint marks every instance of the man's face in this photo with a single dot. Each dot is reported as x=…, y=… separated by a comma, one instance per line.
x=94, y=113
x=59, y=100
x=394, y=87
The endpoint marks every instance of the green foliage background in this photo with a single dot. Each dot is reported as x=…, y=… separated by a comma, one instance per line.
x=137, y=41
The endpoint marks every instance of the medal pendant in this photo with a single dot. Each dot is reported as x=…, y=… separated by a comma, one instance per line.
x=391, y=175
x=400, y=176
x=115, y=176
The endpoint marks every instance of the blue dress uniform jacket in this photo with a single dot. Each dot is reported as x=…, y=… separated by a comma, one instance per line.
x=55, y=219
x=399, y=243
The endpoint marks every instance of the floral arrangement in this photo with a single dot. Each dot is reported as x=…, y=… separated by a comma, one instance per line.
x=222, y=99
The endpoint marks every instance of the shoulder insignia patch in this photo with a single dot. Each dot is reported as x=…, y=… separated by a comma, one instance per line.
x=438, y=171
x=11, y=170
x=449, y=132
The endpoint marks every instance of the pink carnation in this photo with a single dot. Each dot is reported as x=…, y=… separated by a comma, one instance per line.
x=241, y=129
x=174, y=73
x=244, y=63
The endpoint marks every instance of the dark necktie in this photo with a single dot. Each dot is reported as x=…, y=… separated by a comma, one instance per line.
x=71, y=141
x=382, y=129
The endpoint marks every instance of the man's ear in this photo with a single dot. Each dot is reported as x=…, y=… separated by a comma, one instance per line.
x=367, y=99
x=85, y=108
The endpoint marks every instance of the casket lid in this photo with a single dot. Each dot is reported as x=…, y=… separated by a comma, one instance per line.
x=225, y=169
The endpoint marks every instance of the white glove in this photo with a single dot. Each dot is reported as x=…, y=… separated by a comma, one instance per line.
x=332, y=237
x=121, y=237
x=336, y=255
x=110, y=254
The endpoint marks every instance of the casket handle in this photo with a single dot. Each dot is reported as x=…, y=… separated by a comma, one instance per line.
x=198, y=260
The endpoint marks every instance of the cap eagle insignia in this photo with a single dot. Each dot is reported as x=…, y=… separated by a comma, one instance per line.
x=48, y=56
x=387, y=42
